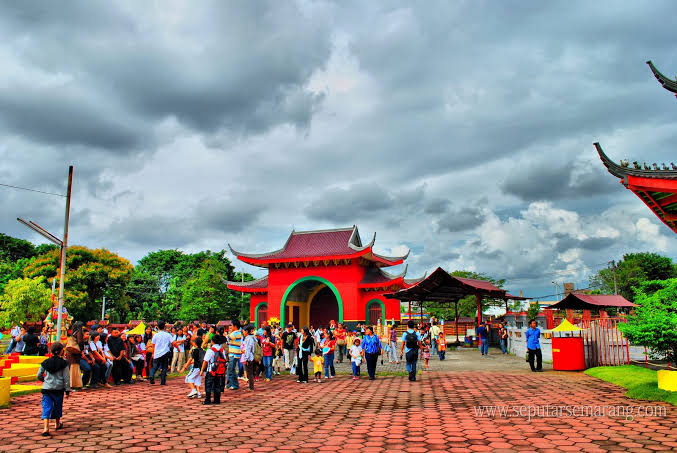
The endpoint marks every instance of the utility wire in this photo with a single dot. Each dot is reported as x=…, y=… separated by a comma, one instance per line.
x=33, y=190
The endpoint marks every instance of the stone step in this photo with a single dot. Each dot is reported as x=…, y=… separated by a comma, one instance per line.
x=21, y=370
x=19, y=389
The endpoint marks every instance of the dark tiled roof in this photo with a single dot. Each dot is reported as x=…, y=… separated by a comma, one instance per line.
x=440, y=286
x=375, y=275
x=259, y=284
x=668, y=84
x=591, y=301
x=303, y=244
x=321, y=243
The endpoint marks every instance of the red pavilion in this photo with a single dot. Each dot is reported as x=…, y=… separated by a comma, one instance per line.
x=324, y=275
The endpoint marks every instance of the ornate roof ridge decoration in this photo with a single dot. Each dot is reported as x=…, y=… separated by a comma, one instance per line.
x=667, y=83
x=624, y=169
x=656, y=188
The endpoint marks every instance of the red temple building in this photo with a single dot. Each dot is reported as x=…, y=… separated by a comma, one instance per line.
x=324, y=275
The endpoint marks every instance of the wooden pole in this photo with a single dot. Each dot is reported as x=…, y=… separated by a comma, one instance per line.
x=64, y=247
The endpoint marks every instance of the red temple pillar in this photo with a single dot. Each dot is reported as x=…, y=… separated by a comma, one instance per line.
x=570, y=315
x=549, y=319
x=479, y=308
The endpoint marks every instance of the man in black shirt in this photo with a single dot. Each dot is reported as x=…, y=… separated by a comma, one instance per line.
x=288, y=338
x=31, y=342
x=118, y=350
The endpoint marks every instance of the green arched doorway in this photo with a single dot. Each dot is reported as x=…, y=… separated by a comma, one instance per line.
x=260, y=313
x=320, y=280
x=374, y=310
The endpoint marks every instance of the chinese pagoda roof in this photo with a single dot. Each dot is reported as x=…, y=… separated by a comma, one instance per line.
x=255, y=286
x=657, y=188
x=668, y=84
x=591, y=302
x=340, y=243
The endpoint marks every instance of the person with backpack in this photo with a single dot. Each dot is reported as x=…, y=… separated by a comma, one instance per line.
x=54, y=373
x=411, y=344
x=250, y=345
x=194, y=378
x=214, y=367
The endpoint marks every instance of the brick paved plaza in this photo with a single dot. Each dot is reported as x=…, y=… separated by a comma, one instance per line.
x=389, y=414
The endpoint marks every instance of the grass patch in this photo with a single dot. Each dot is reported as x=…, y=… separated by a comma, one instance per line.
x=641, y=383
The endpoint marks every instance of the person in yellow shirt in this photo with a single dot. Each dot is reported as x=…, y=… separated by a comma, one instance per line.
x=318, y=364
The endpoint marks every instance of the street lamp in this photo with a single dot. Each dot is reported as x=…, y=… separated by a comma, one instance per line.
x=63, y=243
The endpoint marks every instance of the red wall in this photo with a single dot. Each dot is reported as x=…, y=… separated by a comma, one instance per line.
x=344, y=277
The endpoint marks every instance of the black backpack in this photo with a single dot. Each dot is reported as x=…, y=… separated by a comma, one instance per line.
x=411, y=340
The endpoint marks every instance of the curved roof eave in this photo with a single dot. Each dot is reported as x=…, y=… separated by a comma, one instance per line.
x=668, y=84
x=622, y=172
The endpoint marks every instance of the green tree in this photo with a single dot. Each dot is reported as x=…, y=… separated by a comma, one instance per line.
x=533, y=310
x=160, y=278
x=13, y=249
x=10, y=271
x=24, y=299
x=90, y=274
x=654, y=322
x=206, y=297
x=633, y=270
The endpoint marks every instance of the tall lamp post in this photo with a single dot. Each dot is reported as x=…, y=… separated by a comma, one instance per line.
x=63, y=243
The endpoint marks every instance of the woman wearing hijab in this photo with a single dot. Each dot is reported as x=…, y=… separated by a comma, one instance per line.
x=305, y=347
x=74, y=354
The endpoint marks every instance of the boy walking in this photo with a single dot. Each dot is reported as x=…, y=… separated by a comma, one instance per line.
x=214, y=364
x=54, y=373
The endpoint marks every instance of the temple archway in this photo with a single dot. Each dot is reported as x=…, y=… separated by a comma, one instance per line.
x=323, y=308
x=300, y=296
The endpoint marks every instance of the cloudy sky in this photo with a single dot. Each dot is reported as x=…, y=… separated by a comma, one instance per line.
x=460, y=130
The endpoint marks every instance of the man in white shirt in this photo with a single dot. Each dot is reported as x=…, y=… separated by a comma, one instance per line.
x=162, y=342
x=15, y=332
x=178, y=351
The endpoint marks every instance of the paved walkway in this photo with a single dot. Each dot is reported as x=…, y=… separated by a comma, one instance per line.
x=437, y=413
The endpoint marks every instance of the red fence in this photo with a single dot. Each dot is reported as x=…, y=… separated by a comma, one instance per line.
x=604, y=344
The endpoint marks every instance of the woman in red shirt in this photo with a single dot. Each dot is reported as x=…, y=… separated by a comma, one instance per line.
x=268, y=347
x=328, y=344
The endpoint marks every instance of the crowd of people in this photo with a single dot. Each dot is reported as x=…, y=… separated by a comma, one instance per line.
x=217, y=359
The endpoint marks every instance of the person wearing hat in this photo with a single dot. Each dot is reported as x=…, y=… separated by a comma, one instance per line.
x=288, y=338
x=356, y=357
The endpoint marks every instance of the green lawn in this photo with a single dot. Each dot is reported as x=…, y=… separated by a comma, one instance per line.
x=642, y=383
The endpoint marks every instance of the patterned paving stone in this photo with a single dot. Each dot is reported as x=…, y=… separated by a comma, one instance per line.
x=436, y=413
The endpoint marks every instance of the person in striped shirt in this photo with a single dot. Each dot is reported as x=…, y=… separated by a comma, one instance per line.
x=234, y=351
